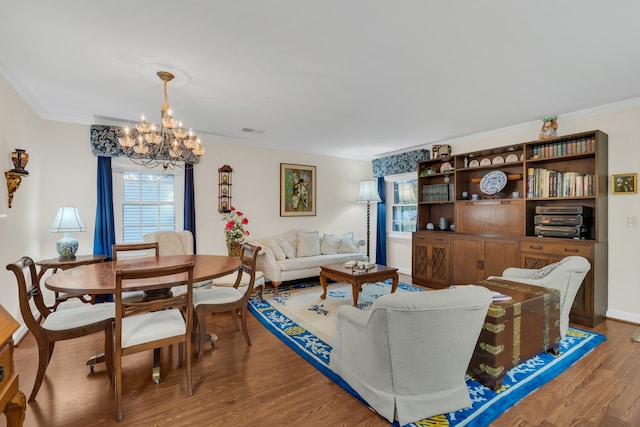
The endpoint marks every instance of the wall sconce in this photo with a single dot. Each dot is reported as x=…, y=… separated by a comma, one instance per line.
x=224, y=189
x=20, y=158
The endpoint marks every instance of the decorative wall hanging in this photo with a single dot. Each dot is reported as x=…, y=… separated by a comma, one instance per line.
x=549, y=127
x=224, y=189
x=626, y=183
x=297, y=190
x=19, y=158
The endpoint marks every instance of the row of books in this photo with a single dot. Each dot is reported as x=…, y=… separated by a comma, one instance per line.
x=562, y=148
x=438, y=193
x=543, y=182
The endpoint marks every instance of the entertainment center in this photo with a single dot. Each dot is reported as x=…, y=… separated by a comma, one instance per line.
x=527, y=204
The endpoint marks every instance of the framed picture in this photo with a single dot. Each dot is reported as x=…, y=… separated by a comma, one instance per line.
x=297, y=190
x=626, y=183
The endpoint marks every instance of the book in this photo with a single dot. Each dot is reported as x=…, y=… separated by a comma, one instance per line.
x=497, y=296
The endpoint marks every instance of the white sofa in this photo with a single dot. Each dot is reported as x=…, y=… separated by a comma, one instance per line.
x=298, y=254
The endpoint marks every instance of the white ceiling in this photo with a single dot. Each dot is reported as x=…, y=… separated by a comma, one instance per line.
x=350, y=78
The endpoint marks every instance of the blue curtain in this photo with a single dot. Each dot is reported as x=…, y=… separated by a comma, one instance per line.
x=381, y=230
x=105, y=231
x=190, y=204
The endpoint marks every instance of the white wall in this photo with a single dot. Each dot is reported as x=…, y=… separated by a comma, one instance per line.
x=622, y=123
x=63, y=172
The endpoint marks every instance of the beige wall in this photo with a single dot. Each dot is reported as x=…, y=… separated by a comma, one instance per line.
x=63, y=171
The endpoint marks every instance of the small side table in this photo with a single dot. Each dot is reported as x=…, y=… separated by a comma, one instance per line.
x=56, y=264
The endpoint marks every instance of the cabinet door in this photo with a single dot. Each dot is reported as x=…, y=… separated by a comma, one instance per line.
x=466, y=261
x=498, y=254
x=420, y=263
x=431, y=260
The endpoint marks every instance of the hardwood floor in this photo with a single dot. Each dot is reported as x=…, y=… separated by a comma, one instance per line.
x=268, y=384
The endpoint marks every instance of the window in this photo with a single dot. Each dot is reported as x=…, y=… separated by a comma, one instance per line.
x=402, y=204
x=145, y=201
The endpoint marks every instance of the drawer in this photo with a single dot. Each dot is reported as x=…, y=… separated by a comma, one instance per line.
x=541, y=246
x=6, y=362
x=432, y=238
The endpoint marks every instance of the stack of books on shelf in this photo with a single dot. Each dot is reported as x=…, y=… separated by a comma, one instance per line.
x=563, y=148
x=437, y=193
x=543, y=182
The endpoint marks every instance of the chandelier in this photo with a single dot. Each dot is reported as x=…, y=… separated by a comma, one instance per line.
x=169, y=146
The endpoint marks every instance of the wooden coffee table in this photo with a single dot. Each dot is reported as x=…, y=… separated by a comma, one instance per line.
x=357, y=277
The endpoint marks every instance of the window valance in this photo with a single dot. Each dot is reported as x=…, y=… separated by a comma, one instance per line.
x=104, y=143
x=399, y=163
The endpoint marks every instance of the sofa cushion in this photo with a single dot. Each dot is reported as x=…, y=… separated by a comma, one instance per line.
x=544, y=271
x=276, y=249
x=287, y=248
x=329, y=244
x=347, y=247
x=308, y=244
x=315, y=261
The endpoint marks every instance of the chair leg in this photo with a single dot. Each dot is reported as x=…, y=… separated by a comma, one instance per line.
x=262, y=292
x=108, y=350
x=43, y=361
x=245, y=331
x=118, y=387
x=188, y=357
x=203, y=331
x=180, y=354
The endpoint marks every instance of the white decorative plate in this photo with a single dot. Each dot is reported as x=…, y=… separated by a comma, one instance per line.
x=446, y=167
x=511, y=158
x=485, y=162
x=474, y=163
x=497, y=160
x=493, y=182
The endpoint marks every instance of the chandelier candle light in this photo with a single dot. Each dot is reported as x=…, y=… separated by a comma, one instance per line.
x=67, y=220
x=169, y=146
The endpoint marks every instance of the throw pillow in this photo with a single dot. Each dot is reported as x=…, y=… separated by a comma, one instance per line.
x=544, y=271
x=276, y=249
x=329, y=245
x=347, y=247
x=308, y=243
x=286, y=247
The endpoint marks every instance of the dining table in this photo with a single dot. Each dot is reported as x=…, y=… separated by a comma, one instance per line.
x=100, y=279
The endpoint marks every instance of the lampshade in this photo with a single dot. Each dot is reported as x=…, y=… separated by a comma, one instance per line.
x=368, y=191
x=67, y=220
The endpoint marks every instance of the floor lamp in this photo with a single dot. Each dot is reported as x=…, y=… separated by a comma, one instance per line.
x=368, y=194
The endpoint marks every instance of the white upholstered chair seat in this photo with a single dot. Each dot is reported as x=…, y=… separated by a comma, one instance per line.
x=230, y=279
x=78, y=317
x=152, y=326
x=221, y=295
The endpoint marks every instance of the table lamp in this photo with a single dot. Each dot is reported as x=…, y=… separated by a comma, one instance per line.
x=67, y=220
x=368, y=194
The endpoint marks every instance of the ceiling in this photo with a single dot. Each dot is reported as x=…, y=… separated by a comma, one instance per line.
x=349, y=78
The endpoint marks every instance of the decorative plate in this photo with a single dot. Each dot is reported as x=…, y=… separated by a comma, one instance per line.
x=511, y=158
x=497, y=160
x=485, y=162
x=493, y=182
x=474, y=163
x=446, y=167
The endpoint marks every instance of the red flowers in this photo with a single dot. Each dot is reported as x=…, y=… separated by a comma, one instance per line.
x=234, y=227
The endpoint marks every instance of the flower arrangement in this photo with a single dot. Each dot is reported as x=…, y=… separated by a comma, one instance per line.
x=234, y=227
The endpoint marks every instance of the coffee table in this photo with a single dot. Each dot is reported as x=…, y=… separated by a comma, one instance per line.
x=515, y=330
x=357, y=277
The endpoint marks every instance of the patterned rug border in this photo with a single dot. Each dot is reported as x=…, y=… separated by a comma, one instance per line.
x=490, y=405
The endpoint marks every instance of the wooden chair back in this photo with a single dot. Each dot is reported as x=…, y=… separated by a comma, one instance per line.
x=29, y=289
x=248, y=257
x=130, y=247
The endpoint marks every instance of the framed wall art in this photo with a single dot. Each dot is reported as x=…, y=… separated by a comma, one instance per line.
x=297, y=190
x=626, y=183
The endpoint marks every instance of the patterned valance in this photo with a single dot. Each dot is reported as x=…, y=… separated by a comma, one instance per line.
x=399, y=163
x=104, y=143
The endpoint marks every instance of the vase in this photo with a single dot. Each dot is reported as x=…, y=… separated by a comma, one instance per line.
x=234, y=249
x=19, y=158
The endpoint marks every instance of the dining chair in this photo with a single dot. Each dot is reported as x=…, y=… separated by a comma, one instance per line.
x=58, y=325
x=227, y=299
x=135, y=247
x=146, y=325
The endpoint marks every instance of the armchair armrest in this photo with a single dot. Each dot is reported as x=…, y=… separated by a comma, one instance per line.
x=518, y=273
x=350, y=314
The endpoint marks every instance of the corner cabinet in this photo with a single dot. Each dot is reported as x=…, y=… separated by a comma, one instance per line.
x=489, y=201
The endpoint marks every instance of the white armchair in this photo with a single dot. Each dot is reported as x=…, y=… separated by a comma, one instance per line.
x=566, y=275
x=172, y=242
x=407, y=357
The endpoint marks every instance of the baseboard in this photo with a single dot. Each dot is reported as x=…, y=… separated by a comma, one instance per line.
x=624, y=316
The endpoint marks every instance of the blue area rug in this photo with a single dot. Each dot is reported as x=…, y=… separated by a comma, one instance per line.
x=298, y=333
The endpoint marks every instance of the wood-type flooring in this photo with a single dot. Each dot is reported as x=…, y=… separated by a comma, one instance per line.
x=268, y=384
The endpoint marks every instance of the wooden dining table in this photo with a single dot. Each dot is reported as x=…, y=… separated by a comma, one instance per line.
x=100, y=279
